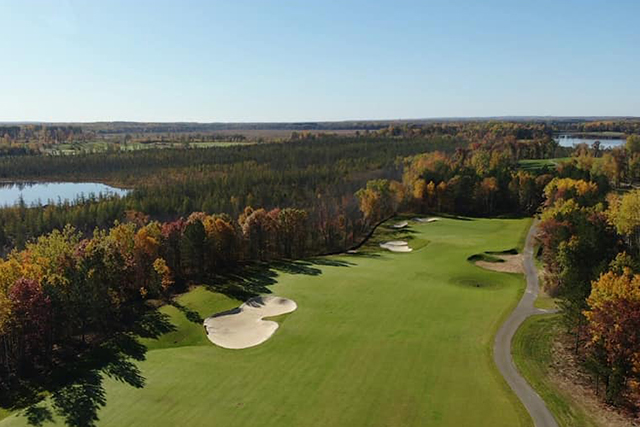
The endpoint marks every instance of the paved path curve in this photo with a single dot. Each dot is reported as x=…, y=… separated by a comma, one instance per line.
x=539, y=412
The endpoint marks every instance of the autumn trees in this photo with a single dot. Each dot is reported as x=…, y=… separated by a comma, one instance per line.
x=26, y=340
x=590, y=251
x=317, y=176
x=377, y=200
x=65, y=291
x=614, y=332
x=617, y=166
x=174, y=182
x=624, y=214
x=633, y=144
x=585, y=193
x=484, y=182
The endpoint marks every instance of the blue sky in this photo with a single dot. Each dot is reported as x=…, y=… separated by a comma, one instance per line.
x=316, y=60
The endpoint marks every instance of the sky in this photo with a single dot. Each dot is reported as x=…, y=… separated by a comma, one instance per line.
x=256, y=61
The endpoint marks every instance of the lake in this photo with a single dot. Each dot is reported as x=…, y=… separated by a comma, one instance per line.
x=571, y=140
x=34, y=193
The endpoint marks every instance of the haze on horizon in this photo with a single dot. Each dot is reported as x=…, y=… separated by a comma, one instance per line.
x=249, y=61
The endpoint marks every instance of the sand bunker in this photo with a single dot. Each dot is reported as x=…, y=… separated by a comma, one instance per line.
x=511, y=264
x=402, y=224
x=243, y=327
x=432, y=219
x=396, y=246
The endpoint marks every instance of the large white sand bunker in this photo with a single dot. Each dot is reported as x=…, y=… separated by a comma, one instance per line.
x=243, y=327
x=402, y=224
x=396, y=246
x=426, y=220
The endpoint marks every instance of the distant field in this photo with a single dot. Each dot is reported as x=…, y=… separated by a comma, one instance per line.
x=102, y=146
x=379, y=339
x=253, y=134
x=537, y=164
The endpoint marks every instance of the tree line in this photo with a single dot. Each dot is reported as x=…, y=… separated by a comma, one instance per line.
x=590, y=245
x=65, y=294
x=319, y=175
x=483, y=182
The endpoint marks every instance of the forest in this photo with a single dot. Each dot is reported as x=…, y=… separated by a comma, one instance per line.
x=590, y=246
x=78, y=277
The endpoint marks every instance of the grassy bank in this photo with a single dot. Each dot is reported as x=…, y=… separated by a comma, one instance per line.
x=531, y=349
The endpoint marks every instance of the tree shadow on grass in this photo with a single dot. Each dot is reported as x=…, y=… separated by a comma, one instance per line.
x=75, y=386
x=191, y=315
x=295, y=267
x=255, y=278
x=245, y=282
x=365, y=254
x=330, y=262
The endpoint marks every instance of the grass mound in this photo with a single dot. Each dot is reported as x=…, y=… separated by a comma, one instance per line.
x=512, y=251
x=488, y=256
x=484, y=257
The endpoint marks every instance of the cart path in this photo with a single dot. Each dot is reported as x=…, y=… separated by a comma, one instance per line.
x=538, y=410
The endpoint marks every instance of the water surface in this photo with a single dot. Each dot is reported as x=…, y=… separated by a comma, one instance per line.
x=35, y=193
x=571, y=140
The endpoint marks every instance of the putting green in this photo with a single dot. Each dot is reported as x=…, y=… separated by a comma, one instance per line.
x=379, y=339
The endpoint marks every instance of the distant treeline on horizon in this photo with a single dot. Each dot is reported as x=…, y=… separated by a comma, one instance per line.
x=580, y=124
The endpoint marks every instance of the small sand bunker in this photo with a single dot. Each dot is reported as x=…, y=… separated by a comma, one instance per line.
x=432, y=219
x=402, y=224
x=511, y=264
x=396, y=246
x=243, y=327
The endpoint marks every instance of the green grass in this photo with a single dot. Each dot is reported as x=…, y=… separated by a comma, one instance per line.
x=522, y=237
x=545, y=302
x=188, y=332
x=531, y=351
x=533, y=165
x=379, y=339
x=492, y=256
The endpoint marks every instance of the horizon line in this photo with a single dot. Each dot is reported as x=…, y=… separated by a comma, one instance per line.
x=370, y=120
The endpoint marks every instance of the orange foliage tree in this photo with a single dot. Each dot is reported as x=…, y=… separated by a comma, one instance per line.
x=614, y=330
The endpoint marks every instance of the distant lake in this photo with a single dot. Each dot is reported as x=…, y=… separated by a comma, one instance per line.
x=34, y=193
x=571, y=140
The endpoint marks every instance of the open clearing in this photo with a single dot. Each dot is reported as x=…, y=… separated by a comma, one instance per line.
x=538, y=164
x=378, y=339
